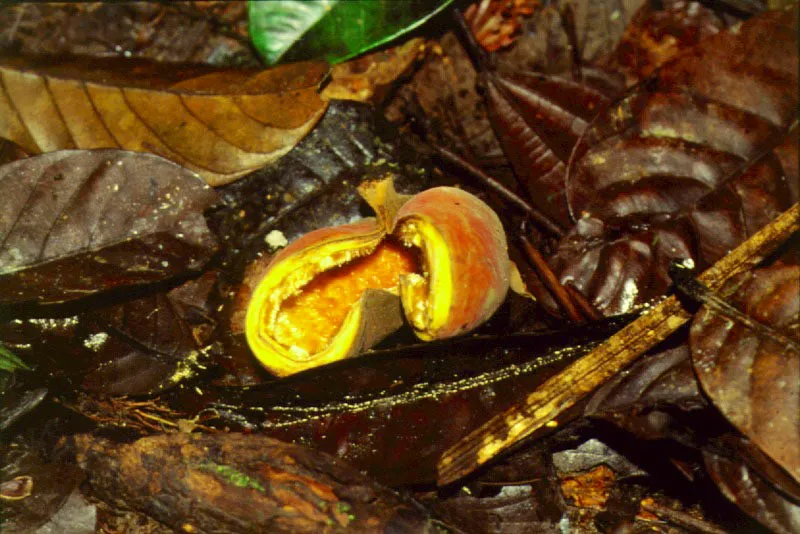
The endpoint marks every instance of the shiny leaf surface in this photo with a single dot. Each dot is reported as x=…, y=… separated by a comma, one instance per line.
x=137, y=346
x=314, y=185
x=394, y=412
x=679, y=168
x=333, y=29
x=76, y=223
x=741, y=485
x=751, y=376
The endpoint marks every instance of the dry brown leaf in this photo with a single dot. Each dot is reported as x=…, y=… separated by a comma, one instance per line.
x=222, y=124
x=369, y=78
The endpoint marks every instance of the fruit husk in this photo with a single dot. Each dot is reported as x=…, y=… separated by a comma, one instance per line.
x=378, y=312
x=375, y=315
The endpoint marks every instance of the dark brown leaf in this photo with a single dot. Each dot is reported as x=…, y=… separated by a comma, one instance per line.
x=538, y=120
x=745, y=488
x=635, y=399
x=513, y=509
x=230, y=482
x=678, y=169
x=394, y=412
x=752, y=377
x=24, y=455
x=222, y=124
x=654, y=36
x=80, y=222
x=141, y=346
x=370, y=78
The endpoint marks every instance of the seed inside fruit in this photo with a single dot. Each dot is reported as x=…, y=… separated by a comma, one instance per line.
x=308, y=321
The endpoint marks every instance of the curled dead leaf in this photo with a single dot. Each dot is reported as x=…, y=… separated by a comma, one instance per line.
x=221, y=123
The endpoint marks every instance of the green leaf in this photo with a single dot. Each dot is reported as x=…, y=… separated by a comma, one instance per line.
x=335, y=30
x=9, y=361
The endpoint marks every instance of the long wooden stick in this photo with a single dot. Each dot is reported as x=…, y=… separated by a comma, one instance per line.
x=543, y=406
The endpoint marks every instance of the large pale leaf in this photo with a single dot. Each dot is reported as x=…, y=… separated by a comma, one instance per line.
x=334, y=29
x=220, y=123
x=77, y=222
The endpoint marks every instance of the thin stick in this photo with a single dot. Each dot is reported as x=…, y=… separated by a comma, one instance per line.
x=562, y=391
x=582, y=303
x=682, y=519
x=550, y=281
x=542, y=220
x=476, y=53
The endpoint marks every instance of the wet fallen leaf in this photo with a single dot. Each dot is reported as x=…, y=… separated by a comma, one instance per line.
x=46, y=483
x=80, y=222
x=742, y=486
x=600, y=25
x=512, y=509
x=654, y=36
x=242, y=483
x=135, y=346
x=751, y=376
x=177, y=32
x=679, y=168
x=636, y=399
x=221, y=123
x=393, y=412
x=314, y=185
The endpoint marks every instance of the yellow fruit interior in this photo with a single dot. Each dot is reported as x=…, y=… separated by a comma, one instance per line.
x=310, y=319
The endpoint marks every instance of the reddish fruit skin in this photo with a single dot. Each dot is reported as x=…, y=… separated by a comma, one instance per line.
x=477, y=245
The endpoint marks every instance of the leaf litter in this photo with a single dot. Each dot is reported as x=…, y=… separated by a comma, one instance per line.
x=315, y=184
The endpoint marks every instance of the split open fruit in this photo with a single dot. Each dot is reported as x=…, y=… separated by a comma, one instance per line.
x=439, y=258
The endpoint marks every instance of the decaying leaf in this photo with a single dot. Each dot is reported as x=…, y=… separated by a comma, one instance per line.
x=138, y=346
x=38, y=486
x=745, y=488
x=494, y=22
x=655, y=36
x=751, y=376
x=510, y=509
x=221, y=123
x=681, y=168
x=212, y=33
x=76, y=223
x=635, y=400
x=229, y=482
x=553, y=399
x=393, y=412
